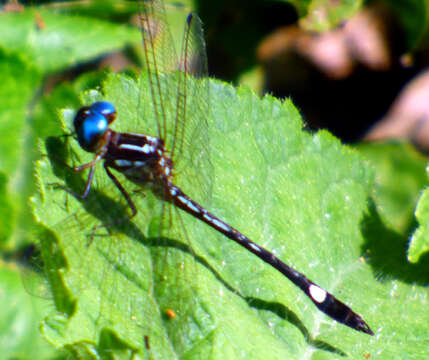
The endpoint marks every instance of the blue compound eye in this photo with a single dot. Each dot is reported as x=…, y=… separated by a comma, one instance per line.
x=106, y=109
x=90, y=126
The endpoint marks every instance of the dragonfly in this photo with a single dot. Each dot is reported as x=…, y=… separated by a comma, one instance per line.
x=153, y=161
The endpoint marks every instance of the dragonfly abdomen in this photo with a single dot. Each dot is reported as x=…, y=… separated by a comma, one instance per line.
x=324, y=301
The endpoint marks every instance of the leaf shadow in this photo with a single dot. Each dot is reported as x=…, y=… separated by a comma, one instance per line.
x=97, y=202
x=386, y=251
x=276, y=308
x=284, y=313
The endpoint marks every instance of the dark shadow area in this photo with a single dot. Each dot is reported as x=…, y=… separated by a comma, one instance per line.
x=107, y=210
x=347, y=103
x=284, y=313
x=276, y=308
x=386, y=251
x=234, y=29
x=346, y=107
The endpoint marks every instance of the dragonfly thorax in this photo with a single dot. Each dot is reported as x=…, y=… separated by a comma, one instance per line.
x=141, y=158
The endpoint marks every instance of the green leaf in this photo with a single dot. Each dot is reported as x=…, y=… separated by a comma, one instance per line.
x=400, y=176
x=300, y=195
x=112, y=287
x=18, y=325
x=22, y=121
x=64, y=40
x=19, y=81
x=412, y=18
x=323, y=16
x=419, y=243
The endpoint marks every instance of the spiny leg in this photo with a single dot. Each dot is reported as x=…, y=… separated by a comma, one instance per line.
x=125, y=195
x=127, y=198
x=91, y=165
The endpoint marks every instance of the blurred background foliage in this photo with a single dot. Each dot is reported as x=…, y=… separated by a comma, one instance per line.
x=346, y=64
x=358, y=69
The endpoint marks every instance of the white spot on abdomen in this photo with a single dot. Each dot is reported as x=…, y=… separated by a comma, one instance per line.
x=317, y=293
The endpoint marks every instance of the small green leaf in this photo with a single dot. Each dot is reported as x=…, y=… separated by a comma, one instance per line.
x=419, y=243
x=400, y=176
x=21, y=338
x=19, y=81
x=323, y=16
x=412, y=19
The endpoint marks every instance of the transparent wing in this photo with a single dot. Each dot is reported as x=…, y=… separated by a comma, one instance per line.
x=179, y=91
x=89, y=269
x=32, y=270
x=190, y=150
x=93, y=269
x=175, y=278
x=160, y=59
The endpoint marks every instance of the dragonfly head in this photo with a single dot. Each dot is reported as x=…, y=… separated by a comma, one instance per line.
x=92, y=122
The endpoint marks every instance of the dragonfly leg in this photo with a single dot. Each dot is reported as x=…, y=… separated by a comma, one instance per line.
x=91, y=165
x=127, y=198
x=125, y=195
